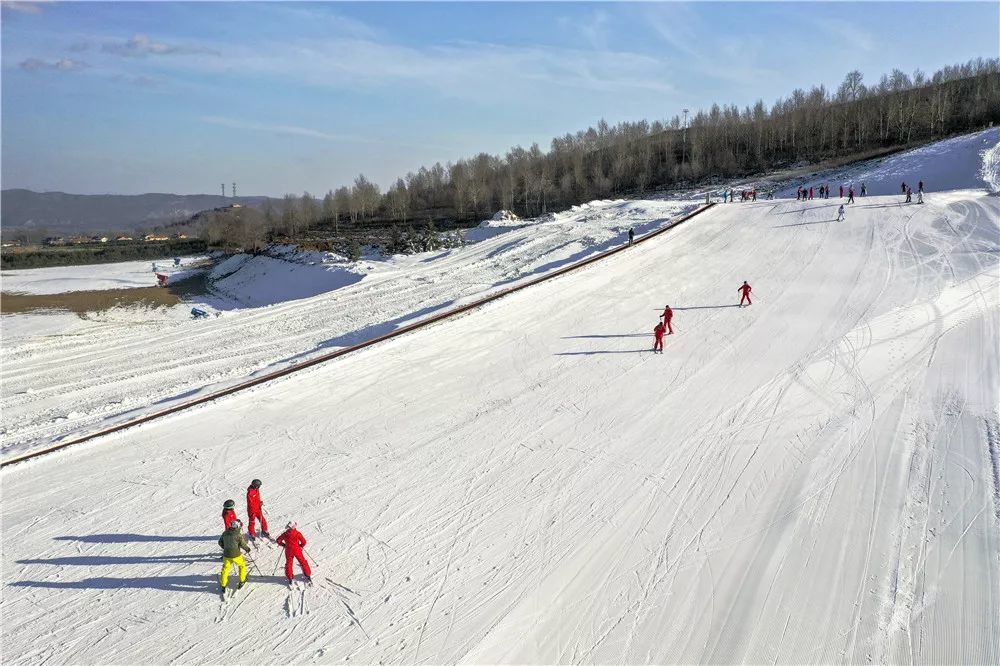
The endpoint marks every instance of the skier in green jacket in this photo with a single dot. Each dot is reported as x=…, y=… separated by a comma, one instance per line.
x=232, y=542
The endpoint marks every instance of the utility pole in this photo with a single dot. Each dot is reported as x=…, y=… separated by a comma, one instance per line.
x=234, y=190
x=223, y=190
x=684, y=138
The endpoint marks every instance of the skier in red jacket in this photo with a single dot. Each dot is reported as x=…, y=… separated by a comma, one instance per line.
x=745, y=289
x=667, y=315
x=228, y=513
x=294, y=542
x=658, y=341
x=255, y=510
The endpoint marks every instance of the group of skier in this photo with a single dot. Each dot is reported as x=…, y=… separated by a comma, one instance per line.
x=744, y=195
x=665, y=327
x=907, y=191
x=806, y=193
x=234, y=544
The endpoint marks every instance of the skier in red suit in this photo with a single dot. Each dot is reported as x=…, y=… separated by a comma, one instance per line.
x=228, y=513
x=255, y=510
x=745, y=290
x=667, y=315
x=294, y=542
x=658, y=333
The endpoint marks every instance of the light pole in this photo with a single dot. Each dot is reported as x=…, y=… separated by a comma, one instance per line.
x=684, y=138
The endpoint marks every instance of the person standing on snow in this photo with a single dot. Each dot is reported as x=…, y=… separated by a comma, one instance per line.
x=631, y=237
x=798, y=193
x=909, y=195
x=658, y=337
x=841, y=191
x=810, y=193
x=850, y=192
x=826, y=192
x=745, y=290
x=902, y=188
x=920, y=196
x=229, y=513
x=293, y=542
x=840, y=213
x=920, y=187
x=255, y=510
x=233, y=545
x=864, y=189
x=667, y=315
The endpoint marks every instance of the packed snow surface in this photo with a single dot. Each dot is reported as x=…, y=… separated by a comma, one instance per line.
x=814, y=478
x=970, y=161
x=119, y=363
x=93, y=277
x=811, y=479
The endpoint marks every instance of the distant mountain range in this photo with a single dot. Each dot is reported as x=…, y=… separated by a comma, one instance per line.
x=58, y=213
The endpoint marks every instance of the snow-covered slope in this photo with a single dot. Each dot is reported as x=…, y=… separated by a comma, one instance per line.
x=812, y=479
x=122, y=362
x=970, y=161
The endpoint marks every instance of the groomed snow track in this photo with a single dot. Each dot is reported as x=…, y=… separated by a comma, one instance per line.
x=302, y=365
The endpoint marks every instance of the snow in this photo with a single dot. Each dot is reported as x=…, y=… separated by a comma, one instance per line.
x=131, y=361
x=811, y=479
x=245, y=280
x=93, y=277
x=967, y=161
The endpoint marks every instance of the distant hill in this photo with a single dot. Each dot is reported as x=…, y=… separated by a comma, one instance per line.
x=58, y=213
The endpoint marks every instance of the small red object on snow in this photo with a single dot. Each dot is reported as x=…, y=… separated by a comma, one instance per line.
x=161, y=279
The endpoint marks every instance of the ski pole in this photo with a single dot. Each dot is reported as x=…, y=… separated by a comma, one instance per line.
x=254, y=563
x=276, y=563
x=311, y=558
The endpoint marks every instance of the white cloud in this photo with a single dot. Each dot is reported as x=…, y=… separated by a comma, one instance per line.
x=294, y=130
x=61, y=65
x=482, y=71
x=140, y=46
x=25, y=7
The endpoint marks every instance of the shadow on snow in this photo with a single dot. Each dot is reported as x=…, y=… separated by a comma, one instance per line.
x=133, y=538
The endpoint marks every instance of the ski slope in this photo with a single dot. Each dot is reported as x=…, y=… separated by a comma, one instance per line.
x=812, y=479
x=117, y=364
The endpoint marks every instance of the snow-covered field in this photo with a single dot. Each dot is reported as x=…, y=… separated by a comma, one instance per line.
x=812, y=479
x=60, y=379
x=122, y=275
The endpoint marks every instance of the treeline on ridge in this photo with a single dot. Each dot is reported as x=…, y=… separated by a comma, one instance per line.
x=635, y=157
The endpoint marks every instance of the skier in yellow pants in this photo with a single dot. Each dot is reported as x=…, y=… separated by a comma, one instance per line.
x=232, y=542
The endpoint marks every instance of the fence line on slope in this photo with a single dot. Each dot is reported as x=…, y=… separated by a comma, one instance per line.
x=316, y=360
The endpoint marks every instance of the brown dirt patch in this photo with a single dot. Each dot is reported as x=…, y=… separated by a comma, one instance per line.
x=82, y=302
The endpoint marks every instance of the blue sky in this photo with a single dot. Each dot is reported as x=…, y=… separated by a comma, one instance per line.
x=285, y=97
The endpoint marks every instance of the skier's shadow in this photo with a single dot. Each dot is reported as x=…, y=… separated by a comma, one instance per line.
x=604, y=337
x=707, y=307
x=603, y=351
x=133, y=538
x=108, y=560
x=206, y=584
x=802, y=224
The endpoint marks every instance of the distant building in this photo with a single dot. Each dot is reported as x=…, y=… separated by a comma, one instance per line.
x=153, y=237
x=54, y=240
x=124, y=238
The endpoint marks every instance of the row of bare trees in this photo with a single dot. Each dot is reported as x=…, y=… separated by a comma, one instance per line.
x=632, y=157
